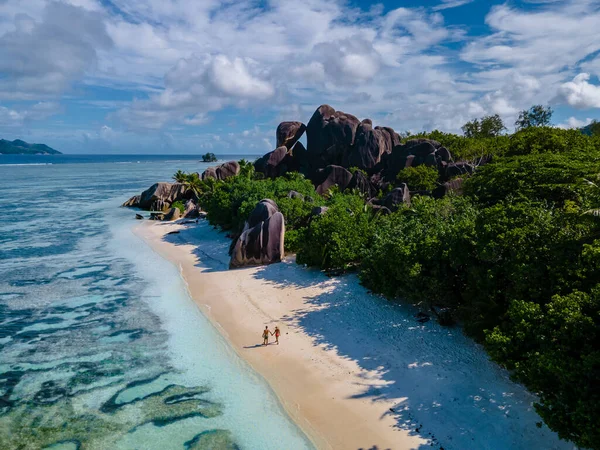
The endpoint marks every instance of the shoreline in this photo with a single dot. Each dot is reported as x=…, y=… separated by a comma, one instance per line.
x=314, y=385
x=353, y=371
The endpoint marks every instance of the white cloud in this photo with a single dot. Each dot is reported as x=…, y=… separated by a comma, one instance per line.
x=447, y=4
x=184, y=60
x=579, y=93
x=40, y=59
x=573, y=122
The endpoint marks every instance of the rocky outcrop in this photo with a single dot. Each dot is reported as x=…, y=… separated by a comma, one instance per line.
x=228, y=169
x=398, y=196
x=192, y=210
x=413, y=153
x=211, y=172
x=173, y=214
x=225, y=170
x=288, y=133
x=453, y=186
x=133, y=202
x=458, y=169
x=262, y=239
x=363, y=184
x=370, y=144
x=330, y=135
x=331, y=176
x=160, y=196
x=296, y=195
x=271, y=163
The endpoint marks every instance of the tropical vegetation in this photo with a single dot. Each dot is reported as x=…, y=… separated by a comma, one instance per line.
x=515, y=259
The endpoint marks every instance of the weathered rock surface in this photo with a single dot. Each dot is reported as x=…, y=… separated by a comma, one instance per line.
x=330, y=135
x=288, y=133
x=192, y=210
x=132, y=202
x=363, y=184
x=319, y=210
x=262, y=239
x=211, y=172
x=228, y=169
x=173, y=214
x=161, y=195
x=370, y=144
x=294, y=194
x=453, y=186
x=330, y=176
x=398, y=196
x=270, y=164
x=225, y=170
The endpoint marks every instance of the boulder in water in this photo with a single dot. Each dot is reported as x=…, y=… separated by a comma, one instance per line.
x=162, y=194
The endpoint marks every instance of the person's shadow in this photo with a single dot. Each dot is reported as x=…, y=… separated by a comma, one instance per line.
x=259, y=345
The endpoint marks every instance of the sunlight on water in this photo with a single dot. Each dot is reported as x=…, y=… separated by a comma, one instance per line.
x=100, y=345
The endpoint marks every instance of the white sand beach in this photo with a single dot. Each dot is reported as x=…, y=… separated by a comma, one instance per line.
x=354, y=370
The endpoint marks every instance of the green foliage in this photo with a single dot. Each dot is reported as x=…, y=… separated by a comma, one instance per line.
x=464, y=148
x=543, y=177
x=550, y=140
x=421, y=253
x=209, y=157
x=488, y=126
x=180, y=176
x=419, y=178
x=246, y=169
x=553, y=349
x=179, y=205
x=536, y=116
x=338, y=238
x=230, y=202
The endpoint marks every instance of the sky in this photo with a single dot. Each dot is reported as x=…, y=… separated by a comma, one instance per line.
x=191, y=76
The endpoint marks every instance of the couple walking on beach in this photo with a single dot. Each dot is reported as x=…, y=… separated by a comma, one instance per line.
x=275, y=333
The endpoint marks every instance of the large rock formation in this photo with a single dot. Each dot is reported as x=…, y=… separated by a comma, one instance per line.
x=370, y=144
x=262, y=239
x=330, y=176
x=225, y=170
x=330, y=135
x=271, y=163
x=133, y=202
x=161, y=196
x=173, y=214
x=363, y=184
x=453, y=186
x=288, y=133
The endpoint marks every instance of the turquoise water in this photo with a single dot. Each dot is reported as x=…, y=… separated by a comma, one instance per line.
x=100, y=345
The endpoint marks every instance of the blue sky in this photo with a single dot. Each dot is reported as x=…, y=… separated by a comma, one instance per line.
x=190, y=76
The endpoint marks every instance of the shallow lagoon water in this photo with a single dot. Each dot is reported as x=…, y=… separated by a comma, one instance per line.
x=100, y=345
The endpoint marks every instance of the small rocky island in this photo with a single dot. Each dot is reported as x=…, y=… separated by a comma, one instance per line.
x=19, y=147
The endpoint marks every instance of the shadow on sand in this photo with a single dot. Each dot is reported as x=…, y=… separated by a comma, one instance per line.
x=443, y=386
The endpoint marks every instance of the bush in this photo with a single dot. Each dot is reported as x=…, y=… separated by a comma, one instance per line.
x=421, y=253
x=543, y=177
x=419, y=178
x=465, y=148
x=337, y=239
x=550, y=140
x=179, y=205
x=553, y=349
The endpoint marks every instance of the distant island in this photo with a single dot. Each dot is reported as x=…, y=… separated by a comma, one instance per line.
x=19, y=147
x=209, y=157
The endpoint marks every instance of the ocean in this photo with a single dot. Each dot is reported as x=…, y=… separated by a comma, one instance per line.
x=100, y=345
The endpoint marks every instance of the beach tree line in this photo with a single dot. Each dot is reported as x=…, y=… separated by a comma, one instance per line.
x=515, y=259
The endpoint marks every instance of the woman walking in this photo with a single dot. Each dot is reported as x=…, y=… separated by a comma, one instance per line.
x=277, y=333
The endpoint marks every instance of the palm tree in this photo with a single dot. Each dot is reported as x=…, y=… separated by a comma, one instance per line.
x=594, y=211
x=246, y=169
x=193, y=182
x=180, y=176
